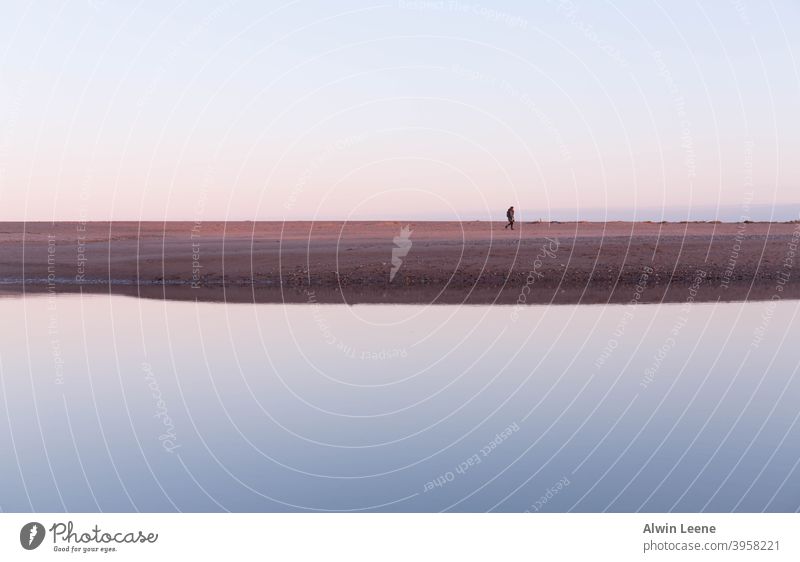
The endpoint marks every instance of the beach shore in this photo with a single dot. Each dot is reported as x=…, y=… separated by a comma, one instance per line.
x=378, y=262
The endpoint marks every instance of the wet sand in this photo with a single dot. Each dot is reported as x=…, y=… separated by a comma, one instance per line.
x=438, y=262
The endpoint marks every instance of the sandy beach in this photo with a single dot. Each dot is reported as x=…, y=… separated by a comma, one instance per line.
x=376, y=262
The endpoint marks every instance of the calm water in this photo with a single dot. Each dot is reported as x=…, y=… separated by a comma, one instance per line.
x=118, y=404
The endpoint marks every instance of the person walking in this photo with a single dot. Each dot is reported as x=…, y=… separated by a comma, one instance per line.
x=510, y=217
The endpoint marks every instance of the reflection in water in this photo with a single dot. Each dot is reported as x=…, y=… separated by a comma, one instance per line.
x=119, y=404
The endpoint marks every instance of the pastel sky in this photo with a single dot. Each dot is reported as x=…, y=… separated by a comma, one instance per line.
x=399, y=110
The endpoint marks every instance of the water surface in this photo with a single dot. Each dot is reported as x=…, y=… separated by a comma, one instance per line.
x=122, y=404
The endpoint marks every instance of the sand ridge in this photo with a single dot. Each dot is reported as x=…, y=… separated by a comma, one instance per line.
x=442, y=262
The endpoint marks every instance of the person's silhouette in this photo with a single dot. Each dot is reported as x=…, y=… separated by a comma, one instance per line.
x=510, y=217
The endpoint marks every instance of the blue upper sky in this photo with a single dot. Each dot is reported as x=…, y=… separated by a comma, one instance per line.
x=410, y=109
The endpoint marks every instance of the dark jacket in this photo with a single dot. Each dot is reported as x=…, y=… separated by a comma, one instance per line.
x=510, y=214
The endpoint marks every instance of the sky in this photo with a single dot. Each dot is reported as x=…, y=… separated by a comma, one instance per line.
x=413, y=109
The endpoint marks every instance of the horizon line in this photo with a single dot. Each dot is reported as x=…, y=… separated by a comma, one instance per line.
x=397, y=221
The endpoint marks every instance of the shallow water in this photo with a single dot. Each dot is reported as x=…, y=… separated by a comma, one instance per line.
x=122, y=404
